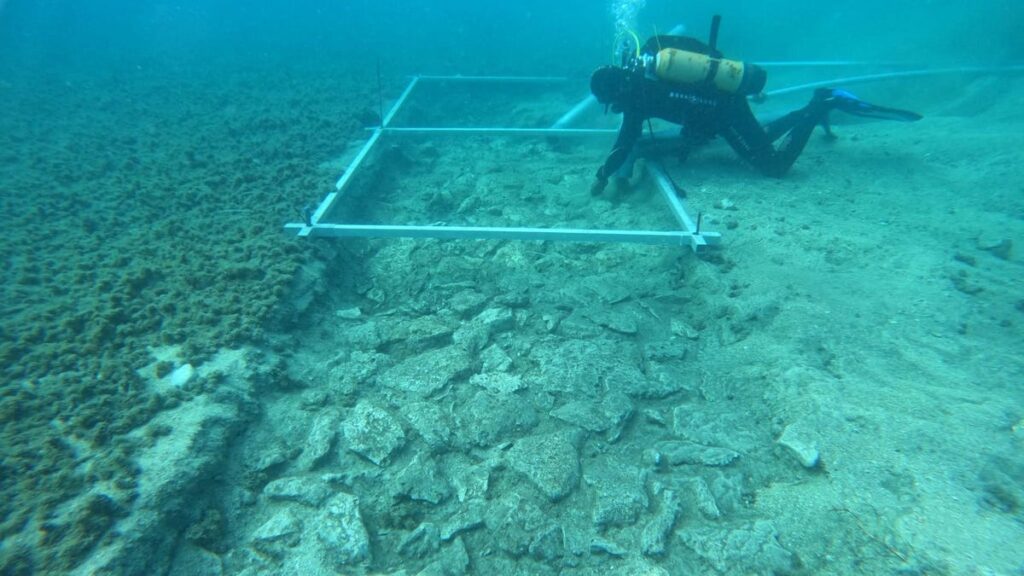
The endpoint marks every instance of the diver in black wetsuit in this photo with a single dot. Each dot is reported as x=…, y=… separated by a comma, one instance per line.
x=685, y=81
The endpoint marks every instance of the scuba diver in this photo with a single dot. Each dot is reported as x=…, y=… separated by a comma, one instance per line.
x=685, y=81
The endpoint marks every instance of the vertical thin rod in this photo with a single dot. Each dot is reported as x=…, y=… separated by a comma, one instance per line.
x=380, y=95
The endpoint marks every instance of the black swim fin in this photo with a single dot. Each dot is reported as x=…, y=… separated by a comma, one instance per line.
x=847, y=102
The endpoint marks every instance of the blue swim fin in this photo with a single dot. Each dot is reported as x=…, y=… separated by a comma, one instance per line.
x=846, y=102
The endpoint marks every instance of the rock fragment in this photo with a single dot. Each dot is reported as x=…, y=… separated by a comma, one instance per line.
x=320, y=439
x=498, y=382
x=549, y=544
x=751, y=549
x=609, y=415
x=796, y=440
x=549, y=461
x=278, y=534
x=310, y=491
x=453, y=560
x=422, y=481
x=656, y=532
x=679, y=452
x=427, y=373
x=421, y=542
x=373, y=433
x=489, y=418
x=706, y=502
x=430, y=422
x=341, y=533
x=619, y=494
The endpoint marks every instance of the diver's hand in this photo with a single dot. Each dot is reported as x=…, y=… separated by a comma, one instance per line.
x=598, y=186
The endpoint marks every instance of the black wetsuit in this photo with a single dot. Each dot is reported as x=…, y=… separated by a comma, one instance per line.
x=706, y=112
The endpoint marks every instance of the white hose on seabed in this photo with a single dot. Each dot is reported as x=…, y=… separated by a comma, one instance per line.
x=865, y=78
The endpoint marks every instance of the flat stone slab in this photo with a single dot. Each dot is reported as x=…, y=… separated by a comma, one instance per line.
x=608, y=414
x=427, y=373
x=429, y=421
x=550, y=461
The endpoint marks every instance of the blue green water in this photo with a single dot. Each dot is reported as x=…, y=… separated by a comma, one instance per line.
x=185, y=389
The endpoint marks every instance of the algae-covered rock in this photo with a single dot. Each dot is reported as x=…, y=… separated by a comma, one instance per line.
x=549, y=461
x=373, y=433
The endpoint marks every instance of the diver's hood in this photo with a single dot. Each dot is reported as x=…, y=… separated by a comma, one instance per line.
x=608, y=83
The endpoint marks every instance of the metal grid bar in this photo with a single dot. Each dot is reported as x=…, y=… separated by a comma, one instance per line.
x=346, y=177
x=400, y=102
x=504, y=131
x=668, y=192
x=459, y=78
x=689, y=236
x=655, y=237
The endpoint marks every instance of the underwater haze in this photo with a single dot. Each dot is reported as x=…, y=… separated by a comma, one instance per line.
x=197, y=379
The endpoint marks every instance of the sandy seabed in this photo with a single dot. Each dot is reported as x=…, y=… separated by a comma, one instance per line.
x=835, y=390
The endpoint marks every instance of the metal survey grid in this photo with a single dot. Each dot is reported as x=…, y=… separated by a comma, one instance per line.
x=688, y=234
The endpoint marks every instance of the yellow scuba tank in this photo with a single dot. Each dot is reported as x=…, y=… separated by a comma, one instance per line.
x=693, y=68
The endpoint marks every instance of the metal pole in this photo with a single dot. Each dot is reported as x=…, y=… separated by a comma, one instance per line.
x=495, y=78
x=653, y=237
x=507, y=131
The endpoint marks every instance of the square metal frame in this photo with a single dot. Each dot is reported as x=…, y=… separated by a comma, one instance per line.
x=690, y=232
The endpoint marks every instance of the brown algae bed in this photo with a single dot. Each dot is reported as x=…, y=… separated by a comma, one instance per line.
x=138, y=212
